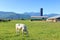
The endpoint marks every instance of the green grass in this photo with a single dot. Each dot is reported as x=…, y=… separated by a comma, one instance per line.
x=37, y=30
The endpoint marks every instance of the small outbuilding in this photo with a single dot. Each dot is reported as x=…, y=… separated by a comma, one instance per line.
x=54, y=19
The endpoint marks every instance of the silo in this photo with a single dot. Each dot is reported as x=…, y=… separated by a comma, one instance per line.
x=41, y=11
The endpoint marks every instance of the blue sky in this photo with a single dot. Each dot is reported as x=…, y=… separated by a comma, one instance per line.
x=21, y=6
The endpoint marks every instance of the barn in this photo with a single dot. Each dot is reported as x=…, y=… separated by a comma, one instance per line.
x=54, y=19
x=39, y=18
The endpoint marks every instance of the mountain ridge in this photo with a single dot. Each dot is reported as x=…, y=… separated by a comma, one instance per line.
x=13, y=15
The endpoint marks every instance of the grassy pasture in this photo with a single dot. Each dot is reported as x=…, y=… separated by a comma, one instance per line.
x=37, y=30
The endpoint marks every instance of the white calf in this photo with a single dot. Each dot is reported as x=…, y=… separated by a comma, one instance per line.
x=21, y=27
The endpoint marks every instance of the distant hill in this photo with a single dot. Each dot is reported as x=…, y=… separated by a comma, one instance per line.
x=5, y=14
x=19, y=16
x=51, y=15
x=12, y=15
x=38, y=14
x=33, y=13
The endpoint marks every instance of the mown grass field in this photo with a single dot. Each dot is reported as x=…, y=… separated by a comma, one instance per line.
x=37, y=30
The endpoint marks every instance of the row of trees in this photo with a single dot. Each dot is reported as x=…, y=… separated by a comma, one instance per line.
x=4, y=20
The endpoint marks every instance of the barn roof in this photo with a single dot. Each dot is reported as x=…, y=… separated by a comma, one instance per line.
x=54, y=17
x=38, y=17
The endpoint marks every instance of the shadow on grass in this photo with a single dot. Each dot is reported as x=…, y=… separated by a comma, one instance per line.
x=25, y=37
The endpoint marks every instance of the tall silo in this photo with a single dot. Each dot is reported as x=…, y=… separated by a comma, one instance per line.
x=41, y=11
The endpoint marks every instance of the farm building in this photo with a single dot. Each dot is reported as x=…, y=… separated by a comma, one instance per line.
x=39, y=18
x=54, y=19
